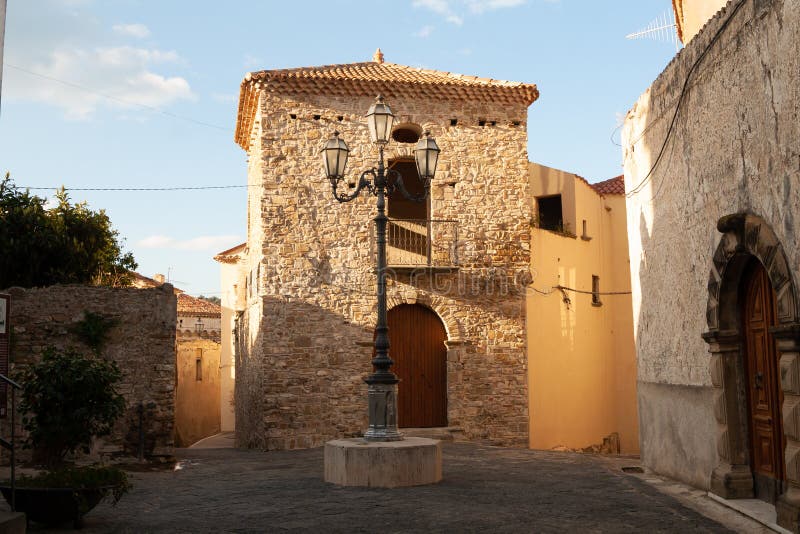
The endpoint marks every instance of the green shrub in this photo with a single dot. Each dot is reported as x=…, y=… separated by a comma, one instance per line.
x=67, y=399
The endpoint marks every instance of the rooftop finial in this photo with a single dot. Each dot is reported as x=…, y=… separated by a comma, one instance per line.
x=378, y=57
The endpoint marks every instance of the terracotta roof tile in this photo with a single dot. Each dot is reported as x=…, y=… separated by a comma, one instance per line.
x=188, y=305
x=614, y=186
x=370, y=78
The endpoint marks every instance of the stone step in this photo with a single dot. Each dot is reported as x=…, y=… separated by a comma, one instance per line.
x=444, y=433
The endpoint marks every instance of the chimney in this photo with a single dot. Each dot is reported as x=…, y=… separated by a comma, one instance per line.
x=159, y=278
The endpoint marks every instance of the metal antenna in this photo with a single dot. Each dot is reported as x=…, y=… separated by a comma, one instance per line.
x=660, y=29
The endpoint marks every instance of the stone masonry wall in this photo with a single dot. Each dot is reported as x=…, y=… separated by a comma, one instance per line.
x=314, y=269
x=733, y=149
x=142, y=343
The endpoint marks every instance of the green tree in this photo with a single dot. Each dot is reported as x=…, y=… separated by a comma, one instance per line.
x=65, y=244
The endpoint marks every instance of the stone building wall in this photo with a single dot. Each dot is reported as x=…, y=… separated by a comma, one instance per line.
x=142, y=343
x=733, y=149
x=301, y=372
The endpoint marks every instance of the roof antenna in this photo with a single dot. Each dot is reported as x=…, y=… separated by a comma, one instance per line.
x=660, y=29
x=378, y=56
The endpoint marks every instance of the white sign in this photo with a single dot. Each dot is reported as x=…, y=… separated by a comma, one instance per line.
x=3, y=315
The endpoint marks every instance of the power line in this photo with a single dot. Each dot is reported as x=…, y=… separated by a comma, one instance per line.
x=117, y=99
x=180, y=188
x=638, y=188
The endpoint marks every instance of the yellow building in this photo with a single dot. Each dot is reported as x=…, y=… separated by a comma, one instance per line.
x=581, y=359
x=692, y=15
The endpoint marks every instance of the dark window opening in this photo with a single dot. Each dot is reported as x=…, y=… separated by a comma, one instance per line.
x=596, y=291
x=550, y=215
x=293, y=115
x=317, y=117
x=515, y=123
x=340, y=118
x=408, y=225
x=482, y=122
x=406, y=135
x=493, y=123
x=453, y=122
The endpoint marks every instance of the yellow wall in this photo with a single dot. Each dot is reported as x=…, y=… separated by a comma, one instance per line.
x=581, y=359
x=197, y=406
x=695, y=13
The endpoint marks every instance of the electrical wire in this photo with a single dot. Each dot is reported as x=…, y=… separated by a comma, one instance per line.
x=179, y=188
x=117, y=99
x=638, y=188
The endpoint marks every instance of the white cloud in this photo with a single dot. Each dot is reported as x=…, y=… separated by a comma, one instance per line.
x=63, y=56
x=204, y=242
x=424, y=32
x=454, y=10
x=140, y=31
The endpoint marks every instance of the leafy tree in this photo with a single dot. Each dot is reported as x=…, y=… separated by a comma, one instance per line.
x=68, y=398
x=68, y=243
x=213, y=300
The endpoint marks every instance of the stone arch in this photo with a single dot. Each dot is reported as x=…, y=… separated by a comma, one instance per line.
x=746, y=236
x=440, y=307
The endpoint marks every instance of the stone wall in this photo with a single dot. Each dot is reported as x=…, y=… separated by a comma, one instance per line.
x=306, y=337
x=733, y=149
x=142, y=343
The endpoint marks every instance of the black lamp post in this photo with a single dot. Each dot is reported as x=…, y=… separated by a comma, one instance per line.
x=380, y=182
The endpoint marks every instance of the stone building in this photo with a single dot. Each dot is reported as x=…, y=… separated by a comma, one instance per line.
x=460, y=261
x=198, y=383
x=712, y=173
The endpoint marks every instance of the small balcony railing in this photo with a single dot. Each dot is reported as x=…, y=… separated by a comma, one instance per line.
x=421, y=243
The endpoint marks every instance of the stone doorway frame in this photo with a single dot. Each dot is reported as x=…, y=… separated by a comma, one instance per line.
x=744, y=236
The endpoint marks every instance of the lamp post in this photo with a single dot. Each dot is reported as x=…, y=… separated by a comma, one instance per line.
x=382, y=383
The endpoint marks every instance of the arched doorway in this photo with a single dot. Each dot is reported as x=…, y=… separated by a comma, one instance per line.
x=754, y=340
x=417, y=337
x=762, y=382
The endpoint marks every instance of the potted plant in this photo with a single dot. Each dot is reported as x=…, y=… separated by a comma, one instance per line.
x=68, y=399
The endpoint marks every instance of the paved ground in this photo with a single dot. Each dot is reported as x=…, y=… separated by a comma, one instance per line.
x=485, y=489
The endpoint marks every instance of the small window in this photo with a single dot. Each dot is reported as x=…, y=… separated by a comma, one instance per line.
x=596, y=291
x=198, y=365
x=550, y=215
x=585, y=234
x=407, y=133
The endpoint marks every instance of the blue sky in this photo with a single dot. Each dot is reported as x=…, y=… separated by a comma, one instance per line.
x=143, y=93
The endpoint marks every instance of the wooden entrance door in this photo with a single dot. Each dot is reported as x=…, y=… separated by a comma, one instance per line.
x=763, y=384
x=417, y=337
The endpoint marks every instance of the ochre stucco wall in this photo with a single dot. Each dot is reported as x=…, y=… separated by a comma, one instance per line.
x=582, y=370
x=197, y=402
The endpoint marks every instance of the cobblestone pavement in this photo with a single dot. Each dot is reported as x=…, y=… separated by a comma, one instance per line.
x=485, y=489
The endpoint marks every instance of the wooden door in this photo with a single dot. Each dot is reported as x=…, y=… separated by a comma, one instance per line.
x=763, y=385
x=417, y=338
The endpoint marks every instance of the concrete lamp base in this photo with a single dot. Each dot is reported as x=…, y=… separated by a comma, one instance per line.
x=383, y=464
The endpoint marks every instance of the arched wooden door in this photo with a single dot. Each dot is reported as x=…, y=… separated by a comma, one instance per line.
x=764, y=393
x=417, y=338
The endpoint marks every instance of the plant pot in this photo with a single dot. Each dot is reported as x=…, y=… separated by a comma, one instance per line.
x=54, y=506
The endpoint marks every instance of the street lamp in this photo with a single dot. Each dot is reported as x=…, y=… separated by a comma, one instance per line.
x=382, y=383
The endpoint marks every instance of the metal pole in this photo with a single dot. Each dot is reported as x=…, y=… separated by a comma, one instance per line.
x=13, y=459
x=382, y=382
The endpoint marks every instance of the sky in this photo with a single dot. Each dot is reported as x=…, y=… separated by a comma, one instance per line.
x=143, y=94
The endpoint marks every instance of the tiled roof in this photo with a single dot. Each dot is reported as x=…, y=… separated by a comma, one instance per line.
x=188, y=305
x=614, y=186
x=232, y=255
x=371, y=78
